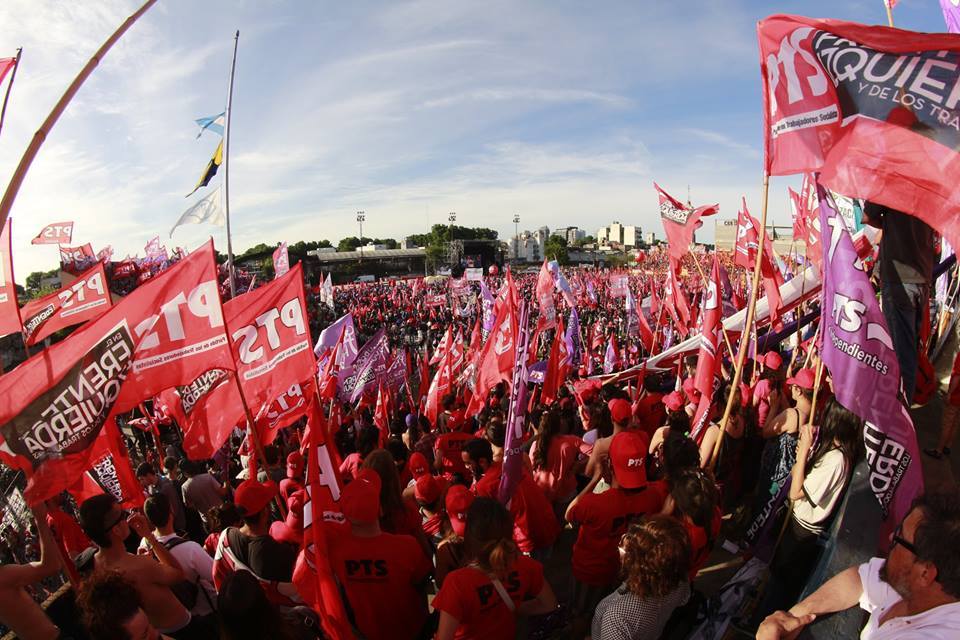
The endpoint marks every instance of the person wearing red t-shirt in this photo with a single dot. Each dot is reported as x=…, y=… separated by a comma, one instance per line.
x=397, y=514
x=428, y=492
x=383, y=575
x=66, y=528
x=695, y=501
x=621, y=414
x=450, y=551
x=447, y=455
x=482, y=600
x=556, y=460
x=604, y=518
x=535, y=525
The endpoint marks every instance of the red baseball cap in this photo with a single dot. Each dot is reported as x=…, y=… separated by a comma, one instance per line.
x=360, y=500
x=772, y=360
x=805, y=379
x=628, y=453
x=295, y=465
x=428, y=488
x=674, y=401
x=252, y=497
x=418, y=465
x=459, y=500
x=690, y=388
x=620, y=410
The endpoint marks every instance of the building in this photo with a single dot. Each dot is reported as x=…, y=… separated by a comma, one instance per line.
x=620, y=236
x=529, y=245
x=651, y=238
x=725, y=237
x=572, y=235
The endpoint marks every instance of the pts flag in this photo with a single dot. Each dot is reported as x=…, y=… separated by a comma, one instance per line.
x=875, y=110
x=85, y=298
x=57, y=403
x=55, y=233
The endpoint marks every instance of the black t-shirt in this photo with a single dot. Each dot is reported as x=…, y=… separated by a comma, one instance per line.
x=906, y=249
x=269, y=559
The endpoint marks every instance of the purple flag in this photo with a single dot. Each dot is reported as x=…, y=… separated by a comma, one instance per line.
x=951, y=14
x=489, y=319
x=633, y=324
x=572, y=338
x=328, y=340
x=396, y=372
x=367, y=368
x=517, y=415
x=859, y=354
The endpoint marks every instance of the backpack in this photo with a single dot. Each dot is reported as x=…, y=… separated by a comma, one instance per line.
x=185, y=591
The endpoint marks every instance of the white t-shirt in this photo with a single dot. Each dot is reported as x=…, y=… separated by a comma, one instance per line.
x=196, y=563
x=822, y=489
x=941, y=622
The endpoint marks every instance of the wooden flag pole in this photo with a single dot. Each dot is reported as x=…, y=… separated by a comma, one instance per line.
x=253, y=433
x=886, y=3
x=38, y=138
x=13, y=76
x=745, y=336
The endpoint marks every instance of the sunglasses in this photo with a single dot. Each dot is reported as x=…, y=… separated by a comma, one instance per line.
x=124, y=514
x=906, y=544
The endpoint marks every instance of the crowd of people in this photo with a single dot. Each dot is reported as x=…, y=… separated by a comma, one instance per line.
x=618, y=506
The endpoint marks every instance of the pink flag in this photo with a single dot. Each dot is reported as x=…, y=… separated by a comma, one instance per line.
x=858, y=351
x=951, y=15
x=5, y=65
x=281, y=260
x=55, y=232
x=680, y=222
x=9, y=312
x=708, y=359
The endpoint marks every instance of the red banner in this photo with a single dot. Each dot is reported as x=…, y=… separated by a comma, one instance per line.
x=874, y=109
x=84, y=299
x=680, y=222
x=57, y=403
x=76, y=260
x=9, y=312
x=55, y=233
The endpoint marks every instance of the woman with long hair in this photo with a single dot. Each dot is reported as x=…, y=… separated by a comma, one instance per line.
x=482, y=600
x=397, y=515
x=655, y=557
x=695, y=501
x=556, y=460
x=818, y=480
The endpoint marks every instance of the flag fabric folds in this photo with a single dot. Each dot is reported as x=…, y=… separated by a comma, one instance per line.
x=210, y=170
x=858, y=352
x=85, y=298
x=206, y=210
x=57, y=403
x=55, y=233
x=281, y=260
x=747, y=246
x=213, y=124
x=9, y=312
x=680, y=222
x=6, y=64
x=708, y=359
x=951, y=15
x=873, y=109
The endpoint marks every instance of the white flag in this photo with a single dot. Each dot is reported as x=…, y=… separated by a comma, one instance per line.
x=207, y=209
x=327, y=291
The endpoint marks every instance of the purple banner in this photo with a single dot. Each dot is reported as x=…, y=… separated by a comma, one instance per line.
x=489, y=319
x=328, y=340
x=367, y=369
x=572, y=338
x=516, y=417
x=858, y=352
x=951, y=14
x=396, y=373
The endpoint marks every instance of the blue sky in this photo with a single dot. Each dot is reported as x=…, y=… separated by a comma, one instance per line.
x=563, y=112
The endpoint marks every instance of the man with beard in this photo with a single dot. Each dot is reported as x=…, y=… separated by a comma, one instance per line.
x=914, y=593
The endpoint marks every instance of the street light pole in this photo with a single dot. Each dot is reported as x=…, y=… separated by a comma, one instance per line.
x=452, y=217
x=361, y=216
x=516, y=236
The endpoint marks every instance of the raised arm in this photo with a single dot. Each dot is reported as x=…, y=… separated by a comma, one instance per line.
x=20, y=575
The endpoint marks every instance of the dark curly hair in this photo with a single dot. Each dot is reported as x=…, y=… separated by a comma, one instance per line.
x=656, y=556
x=108, y=601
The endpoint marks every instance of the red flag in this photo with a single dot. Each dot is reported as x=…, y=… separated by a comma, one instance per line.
x=55, y=233
x=882, y=126
x=557, y=366
x=327, y=386
x=110, y=474
x=9, y=312
x=708, y=359
x=381, y=416
x=676, y=303
x=5, y=65
x=75, y=260
x=680, y=222
x=544, y=293
x=444, y=347
x=646, y=334
x=746, y=256
x=313, y=575
x=438, y=389
x=57, y=402
x=85, y=298
x=499, y=351
x=281, y=260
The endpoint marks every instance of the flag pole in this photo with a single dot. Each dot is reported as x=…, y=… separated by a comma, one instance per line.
x=226, y=167
x=13, y=76
x=886, y=3
x=745, y=336
x=34, y=147
x=706, y=283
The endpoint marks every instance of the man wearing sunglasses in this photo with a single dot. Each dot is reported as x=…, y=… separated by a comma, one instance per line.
x=914, y=593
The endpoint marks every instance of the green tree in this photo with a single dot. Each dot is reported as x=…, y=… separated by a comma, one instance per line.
x=555, y=248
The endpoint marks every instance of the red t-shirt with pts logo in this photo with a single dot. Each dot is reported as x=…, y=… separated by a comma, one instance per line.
x=604, y=518
x=379, y=575
x=470, y=596
x=448, y=448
